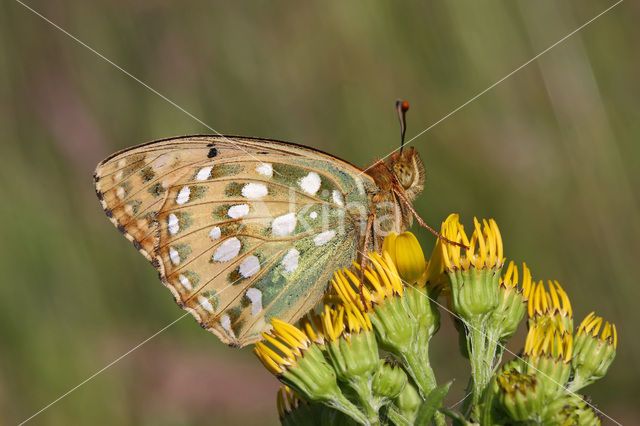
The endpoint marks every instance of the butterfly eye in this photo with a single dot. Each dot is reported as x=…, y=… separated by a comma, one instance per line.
x=404, y=174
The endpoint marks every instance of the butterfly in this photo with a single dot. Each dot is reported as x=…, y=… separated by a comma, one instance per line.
x=242, y=229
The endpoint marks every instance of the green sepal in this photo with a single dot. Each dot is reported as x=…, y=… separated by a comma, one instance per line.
x=408, y=402
x=552, y=374
x=591, y=359
x=474, y=292
x=388, y=381
x=570, y=410
x=508, y=313
x=356, y=357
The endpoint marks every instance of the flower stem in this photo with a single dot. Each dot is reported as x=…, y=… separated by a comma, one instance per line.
x=482, y=346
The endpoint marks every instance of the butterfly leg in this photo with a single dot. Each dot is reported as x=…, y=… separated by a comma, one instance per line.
x=422, y=223
x=365, y=257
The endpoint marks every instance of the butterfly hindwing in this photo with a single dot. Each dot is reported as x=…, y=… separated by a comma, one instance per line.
x=241, y=230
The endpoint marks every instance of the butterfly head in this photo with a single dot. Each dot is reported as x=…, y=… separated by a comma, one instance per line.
x=408, y=170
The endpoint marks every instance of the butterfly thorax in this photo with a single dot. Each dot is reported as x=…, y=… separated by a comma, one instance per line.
x=403, y=174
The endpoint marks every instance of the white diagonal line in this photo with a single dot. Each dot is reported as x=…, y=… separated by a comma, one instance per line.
x=500, y=81
x=103, y=369
x=497, y=341
x=127, y=73
x=91, y=377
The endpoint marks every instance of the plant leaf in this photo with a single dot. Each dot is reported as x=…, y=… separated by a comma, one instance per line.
x=431, y=404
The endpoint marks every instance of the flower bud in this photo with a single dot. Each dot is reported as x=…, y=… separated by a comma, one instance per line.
x=519, y=395
x=389, y=381
x=593, y=352
x=408, y=402
x=409, y=257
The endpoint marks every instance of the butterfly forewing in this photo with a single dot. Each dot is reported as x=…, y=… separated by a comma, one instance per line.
x=241, y=230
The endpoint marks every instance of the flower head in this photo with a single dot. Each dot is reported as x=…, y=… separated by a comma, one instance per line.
x=554, y=303
x=406, y=254
x=473, y=272
x=594, y=350
x=512, y=300
x=547, y=355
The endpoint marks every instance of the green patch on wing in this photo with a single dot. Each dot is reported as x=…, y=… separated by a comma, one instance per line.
x=156, y=189
x=212, y=296
x=147, y=174
x=184, y=250
x=135, y=204
x=234, y=189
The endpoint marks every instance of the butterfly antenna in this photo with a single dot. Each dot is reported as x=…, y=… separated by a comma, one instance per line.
x=402, y=107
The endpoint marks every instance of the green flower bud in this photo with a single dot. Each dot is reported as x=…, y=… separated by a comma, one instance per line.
x=519, y=395
x=570, y=410
x=408, y=402
x=389, y=380
x=512, y=302
x=299, y=363
x=593, y=352
x=354, y=357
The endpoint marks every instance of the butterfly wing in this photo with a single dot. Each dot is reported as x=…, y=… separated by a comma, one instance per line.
x=241, y=230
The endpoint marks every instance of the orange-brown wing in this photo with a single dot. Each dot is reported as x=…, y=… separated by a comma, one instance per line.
x=230, y=222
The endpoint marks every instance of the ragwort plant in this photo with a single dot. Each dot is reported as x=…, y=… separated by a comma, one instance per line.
x=364, y=359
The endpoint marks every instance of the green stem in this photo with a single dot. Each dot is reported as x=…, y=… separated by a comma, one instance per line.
x=362, y=388
x=482, y=344
x=420, y=371
x=417, y=365
x=341, y=403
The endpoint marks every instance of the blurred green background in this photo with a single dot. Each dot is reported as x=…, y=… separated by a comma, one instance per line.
x=552, y=154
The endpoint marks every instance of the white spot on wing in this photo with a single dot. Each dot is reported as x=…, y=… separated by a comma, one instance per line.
x=185, y=282
x=310, y=183
x=204, y=173
x=313, y=215
x=284, y=225
x=206, y=305
x=173, y=224
x=337, y=198
x=214, y=234
x=249, y=266
x=323, y=238
x=122, y=163
x=254, y=190
x=174, y=256
x=227, y=250
x=225, y=322
x=183, y=195
x=265, y=169
x=239, y=210
x=120, y=192
x=290, y=260
x=255, y=296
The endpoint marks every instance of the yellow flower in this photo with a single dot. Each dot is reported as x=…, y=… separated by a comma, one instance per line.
x=382, y=282
x=406, y=254
x=473, y=272
x=553, y=304
x=547, y=355
x=485, y=246
x=290, y=355
x=289, y=340
x=547, y=340
x=591, y=326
